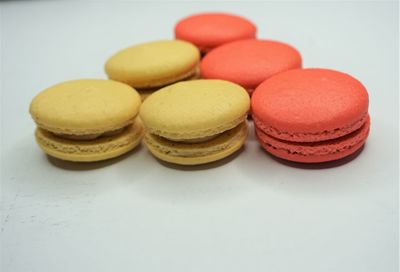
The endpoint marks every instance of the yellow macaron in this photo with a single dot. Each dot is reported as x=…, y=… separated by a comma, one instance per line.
x=152, y=65
x=196, y=122
x=87, y=119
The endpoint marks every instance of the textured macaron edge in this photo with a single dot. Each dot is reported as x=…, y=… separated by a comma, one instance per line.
x=83, y=131
x=297, y=136
x=187, y=75
x=194, y=134
x=93, y=150
x=315, y=152
x=197, y=153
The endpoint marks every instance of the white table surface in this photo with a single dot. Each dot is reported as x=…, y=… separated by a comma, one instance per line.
x=249, y=212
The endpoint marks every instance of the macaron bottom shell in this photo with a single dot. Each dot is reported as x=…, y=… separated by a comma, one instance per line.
x=315, y=152
x=212, y=150
x=90, y=150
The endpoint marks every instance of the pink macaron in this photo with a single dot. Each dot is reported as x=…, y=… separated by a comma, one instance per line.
x=249, y=62
x=311, y=115
x=209, y=30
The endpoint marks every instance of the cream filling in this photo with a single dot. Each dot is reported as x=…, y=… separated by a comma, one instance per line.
x=88, y=137
x=196, y=140
x=311, y=136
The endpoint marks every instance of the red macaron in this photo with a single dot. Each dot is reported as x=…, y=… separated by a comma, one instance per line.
x=311, y=115
x=249, y=62
x=209, y=30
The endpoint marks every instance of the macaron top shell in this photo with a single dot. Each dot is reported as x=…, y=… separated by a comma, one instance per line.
x=85, y=106
x=249, y=62
x=195, y=109
x=310, y=105
x=208, y=30
x=154, y=63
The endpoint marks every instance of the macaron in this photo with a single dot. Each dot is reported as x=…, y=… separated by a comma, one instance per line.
x=311, y=115
x=209, y=30
x=249, y=62
x=87, y=119
x=195, y=122
x=149, y=66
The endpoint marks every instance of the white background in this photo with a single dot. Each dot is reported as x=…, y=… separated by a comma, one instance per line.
x=249, y=212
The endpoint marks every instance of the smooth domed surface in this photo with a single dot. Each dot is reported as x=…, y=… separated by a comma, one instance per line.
x=194, y=109
x=307, y=105
x=85, y=106
x=209, y=30
x=249, y=62
x=154, y=64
